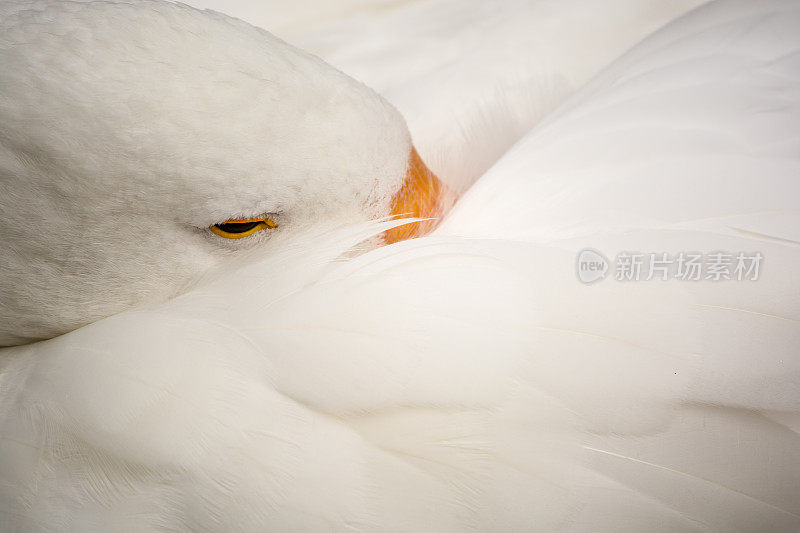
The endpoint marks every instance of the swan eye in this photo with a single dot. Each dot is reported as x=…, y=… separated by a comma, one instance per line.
x=238, y=228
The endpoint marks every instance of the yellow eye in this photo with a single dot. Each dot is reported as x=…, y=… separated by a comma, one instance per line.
x=244, y=227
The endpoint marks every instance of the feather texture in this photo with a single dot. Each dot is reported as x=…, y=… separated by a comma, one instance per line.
x=467, y=380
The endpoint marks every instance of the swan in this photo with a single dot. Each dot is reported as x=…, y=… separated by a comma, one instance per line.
x=463, y=380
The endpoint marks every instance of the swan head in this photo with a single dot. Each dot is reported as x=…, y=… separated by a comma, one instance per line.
x=141, y=144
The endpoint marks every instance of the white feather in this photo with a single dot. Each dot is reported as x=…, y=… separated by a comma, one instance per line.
x=467, y=380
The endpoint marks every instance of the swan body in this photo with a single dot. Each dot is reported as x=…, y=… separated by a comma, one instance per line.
x=468, y=380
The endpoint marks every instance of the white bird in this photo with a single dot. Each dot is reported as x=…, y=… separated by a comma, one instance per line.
x=462, y=381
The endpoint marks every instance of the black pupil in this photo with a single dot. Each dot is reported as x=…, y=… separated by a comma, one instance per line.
x=238, y=227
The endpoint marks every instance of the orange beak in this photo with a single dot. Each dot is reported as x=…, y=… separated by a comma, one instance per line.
x=422, y=195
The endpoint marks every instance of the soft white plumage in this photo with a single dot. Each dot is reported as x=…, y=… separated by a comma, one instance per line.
x=467, y=380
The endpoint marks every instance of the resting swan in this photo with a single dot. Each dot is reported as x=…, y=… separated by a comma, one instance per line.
x=465, y=380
